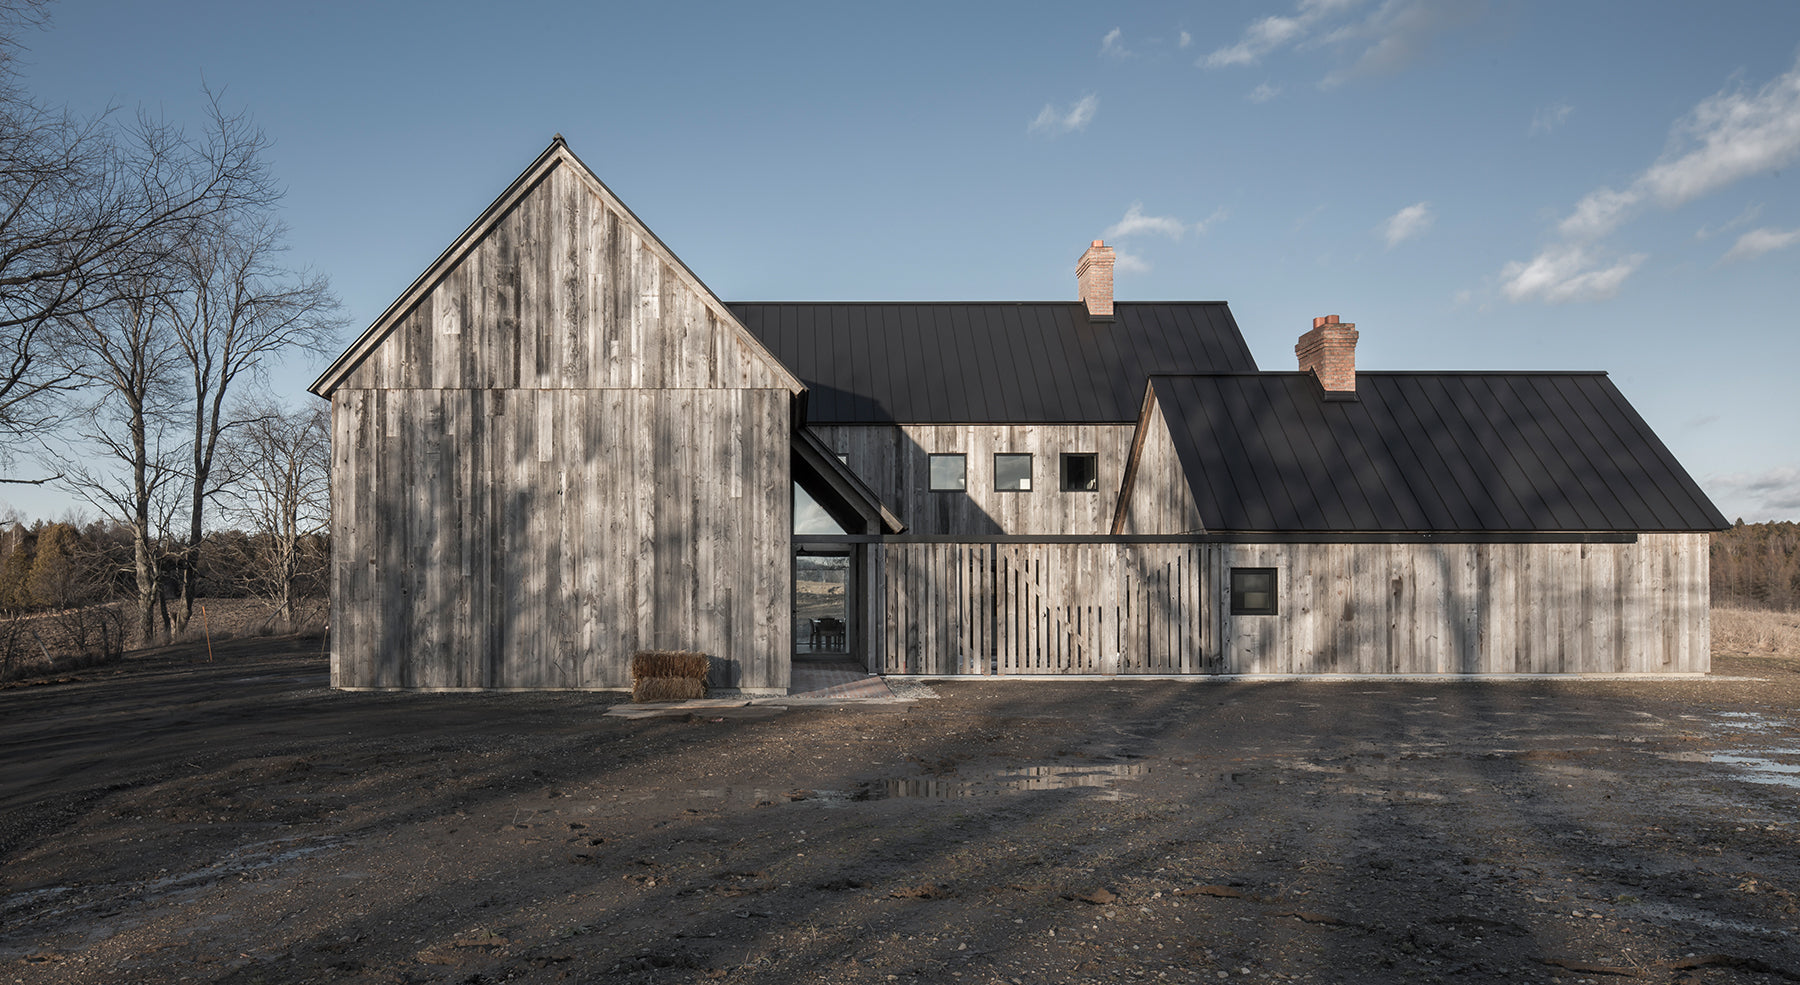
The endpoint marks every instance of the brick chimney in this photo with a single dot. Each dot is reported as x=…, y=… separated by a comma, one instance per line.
x=1093, y=276
x=1329, y=350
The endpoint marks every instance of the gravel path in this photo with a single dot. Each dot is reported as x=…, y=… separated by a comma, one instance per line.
x=174, y=821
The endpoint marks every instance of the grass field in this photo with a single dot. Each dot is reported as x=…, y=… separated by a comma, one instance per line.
x=1755, y=632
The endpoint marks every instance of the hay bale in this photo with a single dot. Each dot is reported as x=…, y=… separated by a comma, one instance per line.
x=669, y=663
x=667, y=689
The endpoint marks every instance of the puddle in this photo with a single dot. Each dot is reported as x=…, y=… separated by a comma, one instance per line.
x=1747, y=720
x=1101, y=779
x=1754, y=766
x=1763, y=768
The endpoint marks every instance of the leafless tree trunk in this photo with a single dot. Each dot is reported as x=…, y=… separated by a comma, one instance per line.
x=130, y=354
x=237, y=307
x=283, y=494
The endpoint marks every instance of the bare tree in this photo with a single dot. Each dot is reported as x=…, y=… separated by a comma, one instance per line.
x=129, y=462
x=237, y=307
x=283, y=494
x=87, y=205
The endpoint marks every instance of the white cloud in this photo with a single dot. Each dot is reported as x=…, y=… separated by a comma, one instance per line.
x=1053, y=121
x=1391, y=37
x=1567, y=273
x=1265, y=35
x=1408, y=223
x=1111, y=45
x=1129, y=263
x=1729, y=136
x=1398, y=33
x=1550, y=117
x=1186, y=39
x=1772, y=494
x=1136, y=223
x=1744, y=218
x=1263, y=93
x=1599, y=212
x=1756, y=242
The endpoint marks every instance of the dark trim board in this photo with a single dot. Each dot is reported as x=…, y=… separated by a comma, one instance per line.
x=1469, y=537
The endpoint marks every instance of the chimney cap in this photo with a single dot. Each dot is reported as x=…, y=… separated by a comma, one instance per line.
x=1323, y=320
x=1099, y=242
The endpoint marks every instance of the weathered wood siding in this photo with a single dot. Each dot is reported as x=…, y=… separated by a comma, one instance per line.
x=537, y=538
x=1159, y=500
x=566, y=290
x=1046, y=609
x=1476, y=608
x=893, y=460
x=1343, y=608
x=561, y=454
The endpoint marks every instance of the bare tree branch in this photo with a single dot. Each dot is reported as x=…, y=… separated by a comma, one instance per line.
x=284, y=497
x=237, y=308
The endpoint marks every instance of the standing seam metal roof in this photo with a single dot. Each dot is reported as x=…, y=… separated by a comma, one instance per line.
x=1425, y=452
x=1000, y=362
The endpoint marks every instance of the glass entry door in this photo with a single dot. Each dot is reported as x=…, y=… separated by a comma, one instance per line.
x=822, y=603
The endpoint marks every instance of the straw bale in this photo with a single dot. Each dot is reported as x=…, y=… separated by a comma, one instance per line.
x=667, y=689
x=668, y=663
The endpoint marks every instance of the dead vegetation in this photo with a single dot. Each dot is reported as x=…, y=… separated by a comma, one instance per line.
x=49, y=643
x=1755, y=632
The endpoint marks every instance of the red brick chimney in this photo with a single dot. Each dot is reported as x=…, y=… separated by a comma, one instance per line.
x=1093, y=276
x=1329, y=350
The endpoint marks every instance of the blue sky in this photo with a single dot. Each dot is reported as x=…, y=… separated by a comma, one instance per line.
x=1478, y=185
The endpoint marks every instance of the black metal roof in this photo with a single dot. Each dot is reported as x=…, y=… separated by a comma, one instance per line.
x=1024, y=362
x=1426, y=452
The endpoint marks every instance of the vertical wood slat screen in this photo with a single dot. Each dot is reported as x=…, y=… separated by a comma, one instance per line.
x=981, y=609
x=1162, y=609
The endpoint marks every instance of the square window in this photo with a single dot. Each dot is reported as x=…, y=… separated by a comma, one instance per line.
x=1012, y=473
x=1252, y=591
x=949, y=473
x=1081, y=472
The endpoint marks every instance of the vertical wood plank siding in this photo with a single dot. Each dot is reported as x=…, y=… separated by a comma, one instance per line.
x=894, y=461
x=565, y=452
x=977, y=609
x=464, y=558
x=1160, y=501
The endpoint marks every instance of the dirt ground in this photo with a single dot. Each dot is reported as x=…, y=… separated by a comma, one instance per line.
x=174, y=821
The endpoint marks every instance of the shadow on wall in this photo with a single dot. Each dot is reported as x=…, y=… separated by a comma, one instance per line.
x=533, y=541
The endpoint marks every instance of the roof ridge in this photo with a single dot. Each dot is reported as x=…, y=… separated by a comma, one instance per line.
x=1395, y=372
x=1068, y=301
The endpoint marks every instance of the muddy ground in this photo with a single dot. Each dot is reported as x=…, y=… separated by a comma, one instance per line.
x=173, y=821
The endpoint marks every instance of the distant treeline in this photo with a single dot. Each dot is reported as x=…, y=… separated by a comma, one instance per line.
x=1757, y=564
x=45, y=566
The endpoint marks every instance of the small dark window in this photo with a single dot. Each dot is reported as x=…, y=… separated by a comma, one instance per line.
x=1081, y=472
x=1252, y=591
x=949, y=473
x=1012, y=473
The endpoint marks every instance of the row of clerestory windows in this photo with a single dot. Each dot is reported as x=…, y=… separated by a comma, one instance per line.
x=1077, y=472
